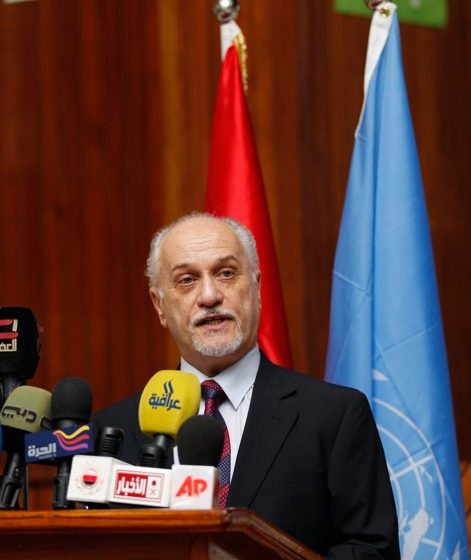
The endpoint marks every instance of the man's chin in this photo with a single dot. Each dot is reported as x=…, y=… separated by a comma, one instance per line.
x=217, y=349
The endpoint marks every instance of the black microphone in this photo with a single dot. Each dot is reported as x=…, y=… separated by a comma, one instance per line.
x=71, y=404
x=19, y=348
x=108, y=442
x=200, y=441
x=195, y=481
x=150, y=455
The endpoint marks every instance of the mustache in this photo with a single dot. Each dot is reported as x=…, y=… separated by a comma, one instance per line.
x=213, y=313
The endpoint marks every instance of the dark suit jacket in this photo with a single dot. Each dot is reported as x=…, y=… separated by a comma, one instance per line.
x=310, y=461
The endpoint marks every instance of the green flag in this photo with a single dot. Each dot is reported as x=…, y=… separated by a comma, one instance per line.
x=422, y=12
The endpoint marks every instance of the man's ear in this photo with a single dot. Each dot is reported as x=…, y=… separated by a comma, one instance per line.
x=157, y=301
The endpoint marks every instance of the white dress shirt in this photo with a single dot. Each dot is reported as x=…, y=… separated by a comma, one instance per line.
x=237, y=382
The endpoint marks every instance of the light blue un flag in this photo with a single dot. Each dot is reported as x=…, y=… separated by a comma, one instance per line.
x=386, y=334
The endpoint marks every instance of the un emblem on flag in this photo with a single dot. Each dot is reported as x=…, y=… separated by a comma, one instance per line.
x=417, y=483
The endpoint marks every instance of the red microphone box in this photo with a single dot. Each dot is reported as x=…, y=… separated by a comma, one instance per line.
x=141, y=486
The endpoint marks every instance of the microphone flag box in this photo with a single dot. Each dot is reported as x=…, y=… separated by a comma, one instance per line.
x=140, y=486
x=54, y=444
x=90, y=478
x=194, y=487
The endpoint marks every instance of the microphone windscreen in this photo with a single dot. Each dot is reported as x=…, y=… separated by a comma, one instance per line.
x=200, y=441
x=168, y=399
x=108, y=441
x=19, y=342
x=71, y=400
x=27, y=409
x=149, y=455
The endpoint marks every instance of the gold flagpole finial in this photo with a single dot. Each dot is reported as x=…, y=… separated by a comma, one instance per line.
x=378, y=5
x=226, y=10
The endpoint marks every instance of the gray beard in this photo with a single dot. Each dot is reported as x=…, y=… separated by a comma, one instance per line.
x=217, y=349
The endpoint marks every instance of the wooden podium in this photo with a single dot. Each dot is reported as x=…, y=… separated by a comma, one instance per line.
x=144, y=535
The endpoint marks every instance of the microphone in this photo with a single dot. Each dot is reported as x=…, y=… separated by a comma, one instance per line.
x=90, y=475
x=26, y=410
x=19, y=348
x=145, y=485
x=108, y=442
x=165, y=408
x=71, y=405
x=195, y=482
x=200, y=441
x=168, y=399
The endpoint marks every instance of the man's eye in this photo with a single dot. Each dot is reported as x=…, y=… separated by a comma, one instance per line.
x=186, y=280
x=226, y=273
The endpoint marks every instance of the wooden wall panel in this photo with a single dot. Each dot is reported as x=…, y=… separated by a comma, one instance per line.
x=105, y=112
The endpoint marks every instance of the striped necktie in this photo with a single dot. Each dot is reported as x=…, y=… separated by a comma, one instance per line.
x=214, y=395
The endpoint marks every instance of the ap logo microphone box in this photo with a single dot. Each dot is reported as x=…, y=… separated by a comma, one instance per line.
x=53, y=444
x=194, y=487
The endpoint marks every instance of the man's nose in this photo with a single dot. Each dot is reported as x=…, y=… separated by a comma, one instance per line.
x=210, y=293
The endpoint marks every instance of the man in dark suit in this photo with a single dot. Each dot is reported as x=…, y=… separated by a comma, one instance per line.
x=305, y=454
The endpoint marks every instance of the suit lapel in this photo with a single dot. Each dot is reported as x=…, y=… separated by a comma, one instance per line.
x=271, y=415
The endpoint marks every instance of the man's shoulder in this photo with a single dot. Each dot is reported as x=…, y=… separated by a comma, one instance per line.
x=118, y=412
x=309, y=387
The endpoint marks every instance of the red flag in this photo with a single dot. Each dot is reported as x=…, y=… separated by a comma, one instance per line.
x=235, y=189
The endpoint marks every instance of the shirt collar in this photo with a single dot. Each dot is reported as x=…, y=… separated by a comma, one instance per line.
x=236, y=380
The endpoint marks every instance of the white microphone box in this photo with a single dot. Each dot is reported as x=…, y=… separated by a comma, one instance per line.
x=141, y=486
x=90, y=477
x=194, y=487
